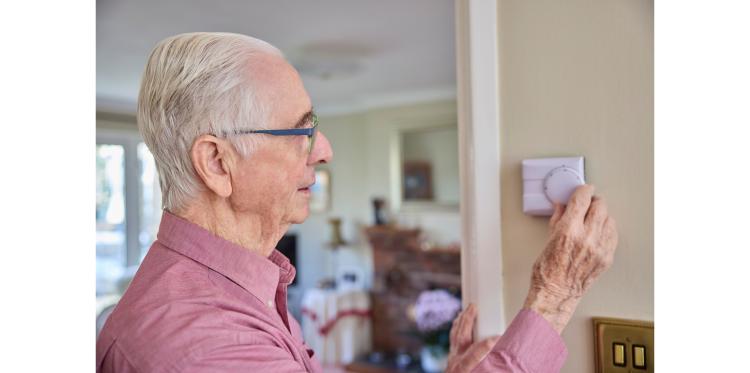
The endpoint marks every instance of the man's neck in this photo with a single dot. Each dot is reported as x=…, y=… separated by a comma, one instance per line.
x=255, y=232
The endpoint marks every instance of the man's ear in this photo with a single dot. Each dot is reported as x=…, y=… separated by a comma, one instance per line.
x=211, y=162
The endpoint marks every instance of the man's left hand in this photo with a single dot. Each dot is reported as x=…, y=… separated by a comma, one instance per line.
x=465, y=354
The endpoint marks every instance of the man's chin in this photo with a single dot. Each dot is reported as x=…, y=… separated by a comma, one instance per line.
x=300, y=216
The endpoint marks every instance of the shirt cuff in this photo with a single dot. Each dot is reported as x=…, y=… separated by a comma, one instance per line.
x=532, y=342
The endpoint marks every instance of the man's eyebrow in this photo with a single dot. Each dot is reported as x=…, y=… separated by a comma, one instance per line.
x=304, y=119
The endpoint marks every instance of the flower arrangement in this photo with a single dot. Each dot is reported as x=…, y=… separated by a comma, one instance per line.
x=433, y=313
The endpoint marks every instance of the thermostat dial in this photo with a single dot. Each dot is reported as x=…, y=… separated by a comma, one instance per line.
x=547, y=181
x=560, y=183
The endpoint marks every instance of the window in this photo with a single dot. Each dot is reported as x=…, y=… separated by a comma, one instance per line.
x=128, y=208
x=110, y=216
x=149, y=207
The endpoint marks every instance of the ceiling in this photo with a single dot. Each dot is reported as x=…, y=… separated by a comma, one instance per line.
x=352, y=55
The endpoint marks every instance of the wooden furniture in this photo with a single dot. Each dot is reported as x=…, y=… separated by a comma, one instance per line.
x=387, y=367
x=402, y=269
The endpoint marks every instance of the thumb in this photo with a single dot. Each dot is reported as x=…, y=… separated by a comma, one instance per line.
x=559, y=210
x=478, y=351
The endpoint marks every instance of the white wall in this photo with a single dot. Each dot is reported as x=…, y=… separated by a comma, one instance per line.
x=577, y=79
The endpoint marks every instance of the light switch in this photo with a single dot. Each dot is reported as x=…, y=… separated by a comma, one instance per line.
x=623, y=346
x=549, y=180
x=618, y=354
x=639, y=357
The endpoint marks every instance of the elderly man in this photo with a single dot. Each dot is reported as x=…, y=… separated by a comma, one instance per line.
x=236, y=142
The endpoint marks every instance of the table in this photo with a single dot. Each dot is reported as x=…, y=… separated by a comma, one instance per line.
x=336, y=324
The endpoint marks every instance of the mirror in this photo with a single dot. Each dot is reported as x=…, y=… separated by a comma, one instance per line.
x=429, y=167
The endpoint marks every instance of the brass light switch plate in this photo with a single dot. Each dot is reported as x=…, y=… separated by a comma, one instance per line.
x=618, y=355
x=615, y=337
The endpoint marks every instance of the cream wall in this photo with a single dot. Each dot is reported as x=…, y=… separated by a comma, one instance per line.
x=383, y=126
x=349, y=202
x=439, y=146
x=576, y=78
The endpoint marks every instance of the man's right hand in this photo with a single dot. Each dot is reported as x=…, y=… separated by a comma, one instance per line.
x=581, y=246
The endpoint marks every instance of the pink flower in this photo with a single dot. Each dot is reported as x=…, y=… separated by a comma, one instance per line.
x=434, y=309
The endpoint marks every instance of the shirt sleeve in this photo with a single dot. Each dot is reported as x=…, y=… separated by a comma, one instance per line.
x=529, y=345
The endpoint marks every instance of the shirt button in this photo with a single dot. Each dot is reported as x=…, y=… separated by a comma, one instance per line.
x=270, y=304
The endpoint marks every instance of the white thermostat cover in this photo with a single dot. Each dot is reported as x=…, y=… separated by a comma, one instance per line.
x=548, y=180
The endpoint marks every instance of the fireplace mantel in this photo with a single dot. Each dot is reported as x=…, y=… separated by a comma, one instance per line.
x=403, y=269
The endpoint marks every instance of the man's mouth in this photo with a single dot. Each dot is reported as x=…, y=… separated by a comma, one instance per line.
x=307, y=188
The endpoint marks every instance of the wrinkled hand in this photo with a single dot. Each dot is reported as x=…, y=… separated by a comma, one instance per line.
x=465, y=355
x=581, y=246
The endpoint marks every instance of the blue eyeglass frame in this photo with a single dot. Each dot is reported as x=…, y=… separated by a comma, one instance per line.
x=309, y=132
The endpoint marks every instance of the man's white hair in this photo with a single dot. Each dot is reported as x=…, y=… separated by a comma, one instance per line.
x=195, y=84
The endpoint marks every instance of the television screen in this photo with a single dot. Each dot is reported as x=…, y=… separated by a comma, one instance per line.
x=288, y=246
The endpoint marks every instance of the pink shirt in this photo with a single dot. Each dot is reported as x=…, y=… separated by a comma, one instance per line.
x=200, y=303
x=528, y=345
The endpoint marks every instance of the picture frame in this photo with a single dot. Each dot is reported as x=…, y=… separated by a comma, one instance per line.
x=417, y=181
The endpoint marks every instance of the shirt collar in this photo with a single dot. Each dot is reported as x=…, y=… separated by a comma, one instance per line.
x=255, y=273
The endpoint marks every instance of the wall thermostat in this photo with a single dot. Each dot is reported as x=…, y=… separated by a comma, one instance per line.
x=549, y=180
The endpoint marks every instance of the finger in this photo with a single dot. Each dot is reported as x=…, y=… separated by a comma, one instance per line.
x=610, y=234
x=456, y=337
x=477, y=352
x=465, y=336
x=468, y=325
x=608, y=242
x=596, y=214
x=454, y=329
x=559, y=209
x=579, y=203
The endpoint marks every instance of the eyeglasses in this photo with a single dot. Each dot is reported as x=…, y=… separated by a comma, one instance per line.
x=309, y=132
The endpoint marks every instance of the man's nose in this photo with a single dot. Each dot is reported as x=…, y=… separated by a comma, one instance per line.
x=322, y=151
